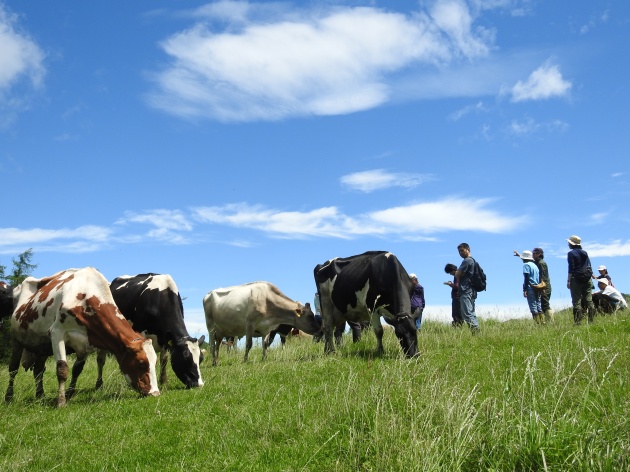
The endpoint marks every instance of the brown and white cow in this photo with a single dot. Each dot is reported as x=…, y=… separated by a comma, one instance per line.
x=250, y=310
x=74, y=311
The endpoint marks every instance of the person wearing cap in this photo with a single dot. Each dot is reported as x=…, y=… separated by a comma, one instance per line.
x=545, y=296
x=531, y=277
x=456, y=309
x=579, y=280
x=603, y=274
x=417, y=300
x=608, y=299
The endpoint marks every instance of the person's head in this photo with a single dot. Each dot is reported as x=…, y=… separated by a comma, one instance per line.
x=602, y=283
x=464, y=250
x=602, y=270
x=414, y=278
x=527, y=256
x=574, y=241
x=538, y=253
x=450, y=268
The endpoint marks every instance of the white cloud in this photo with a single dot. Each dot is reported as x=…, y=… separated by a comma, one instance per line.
x=545, y=82
x=528, y=126
x=409, y=221
x=300, y=63
x=379, y=179
x=20, y=56
x=168, y=224
x=475, y=108
x=615, y=248
x=84, y=238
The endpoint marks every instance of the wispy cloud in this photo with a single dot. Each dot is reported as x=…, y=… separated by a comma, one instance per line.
x=615, y=248
x=544, y=83
x=407, y=221
x=14, y=240
x=379, y=179
x=415, y=221
x=475, y=108
x=528, y=126
x=257, y=66
x=20, y=57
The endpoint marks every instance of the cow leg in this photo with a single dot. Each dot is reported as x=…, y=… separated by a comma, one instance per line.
x=328, y=329
x=378, y=331
x=215, y=342
x=59, y=351
x=269, y=338
x=77, y=368
x=101, y=356
x=356, y=331
x=39, y=367
x=248, y=346
x=62, y=376
x=14, y=366
x=164, y=356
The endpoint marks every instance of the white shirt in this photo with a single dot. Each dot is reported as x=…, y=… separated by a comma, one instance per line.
x=615, y=294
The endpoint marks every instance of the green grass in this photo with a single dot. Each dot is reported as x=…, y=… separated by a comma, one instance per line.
x=515, y=397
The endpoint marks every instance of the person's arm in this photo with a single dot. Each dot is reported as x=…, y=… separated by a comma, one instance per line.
x=525, y=283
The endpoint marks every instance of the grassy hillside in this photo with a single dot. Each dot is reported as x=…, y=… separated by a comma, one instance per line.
x=516, y=397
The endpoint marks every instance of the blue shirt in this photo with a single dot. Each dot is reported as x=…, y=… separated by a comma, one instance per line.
x=531, y=275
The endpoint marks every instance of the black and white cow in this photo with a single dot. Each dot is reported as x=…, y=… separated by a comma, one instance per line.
x=364, y=288
x=153, y=306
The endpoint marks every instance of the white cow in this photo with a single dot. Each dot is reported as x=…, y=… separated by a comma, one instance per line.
x=253, y=309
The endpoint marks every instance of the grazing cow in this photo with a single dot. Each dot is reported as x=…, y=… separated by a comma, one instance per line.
x=153, y=306
x=363, y=288
x=74, y=311
x=253, y=309
x=6, y=300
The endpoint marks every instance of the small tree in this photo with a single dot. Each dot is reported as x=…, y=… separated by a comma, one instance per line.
x=22, y=268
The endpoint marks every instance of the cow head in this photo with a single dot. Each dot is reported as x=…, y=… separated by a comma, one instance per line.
x=6, y=300
x=406, y=332
x=185, y=360
x=138, y=366
x=306, y=320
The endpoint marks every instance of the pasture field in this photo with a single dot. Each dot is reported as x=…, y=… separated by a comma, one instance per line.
x=515, y=397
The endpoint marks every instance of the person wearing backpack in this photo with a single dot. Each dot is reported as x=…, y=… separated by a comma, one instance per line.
x=579, y=281
x=467, y=294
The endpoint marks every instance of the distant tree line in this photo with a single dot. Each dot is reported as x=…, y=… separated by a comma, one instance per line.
x=22, y=268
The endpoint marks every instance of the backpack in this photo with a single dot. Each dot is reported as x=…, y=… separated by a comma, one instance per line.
x=584, y=273
x=478, y=278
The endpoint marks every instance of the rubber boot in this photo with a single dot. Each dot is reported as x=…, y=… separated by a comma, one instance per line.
x=549, y=316
x=541, y=318
x=578, y=315
x=536, y=318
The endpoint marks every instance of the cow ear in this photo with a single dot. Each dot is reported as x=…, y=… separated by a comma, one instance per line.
x=201, y=339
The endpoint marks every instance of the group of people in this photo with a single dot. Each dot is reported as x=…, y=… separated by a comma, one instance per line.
x=463, y=295
x=585, y=301
x=536, y=288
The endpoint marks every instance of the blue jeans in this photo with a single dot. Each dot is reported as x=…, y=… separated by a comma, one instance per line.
x=418, y=312
x=467, y=303
x=534, y=301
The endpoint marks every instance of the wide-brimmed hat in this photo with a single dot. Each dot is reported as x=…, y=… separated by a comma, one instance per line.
x=575, y=240
x=601, y=268
x=602, y=281
x=527, y=256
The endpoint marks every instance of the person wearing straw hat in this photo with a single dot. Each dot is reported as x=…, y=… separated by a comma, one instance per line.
x=531, y=277
x=608, y=299
x=579, y=281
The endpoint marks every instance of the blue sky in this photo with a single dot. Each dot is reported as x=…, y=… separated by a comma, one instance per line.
x=229, y=142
